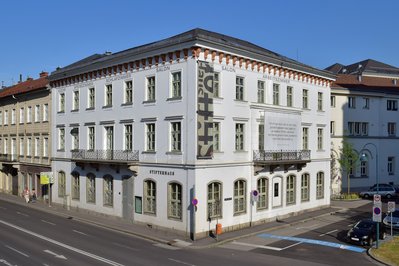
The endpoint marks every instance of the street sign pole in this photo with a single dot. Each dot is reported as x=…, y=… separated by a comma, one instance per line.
x=377, y=207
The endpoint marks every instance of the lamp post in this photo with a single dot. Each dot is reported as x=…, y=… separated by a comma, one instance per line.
x=364, y=158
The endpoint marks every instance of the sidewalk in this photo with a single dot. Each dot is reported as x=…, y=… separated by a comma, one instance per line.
x=170, y=237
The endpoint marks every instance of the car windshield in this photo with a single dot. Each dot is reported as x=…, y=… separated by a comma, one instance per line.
x=364, y=225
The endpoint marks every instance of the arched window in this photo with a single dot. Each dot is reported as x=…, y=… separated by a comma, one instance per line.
x=320, y=185
x=108, y=191
x=91, y=188
x=75, y=179
x=61, y=184
x=214, y=200
x=175, y=201
x=291, y=189
x=262, y=188
x=150, y=197
x=239, y=197
x=305, y=187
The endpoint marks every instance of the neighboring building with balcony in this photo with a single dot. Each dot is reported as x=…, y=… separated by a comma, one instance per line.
x=25, y=139
x=199, y=118
x=364, y=109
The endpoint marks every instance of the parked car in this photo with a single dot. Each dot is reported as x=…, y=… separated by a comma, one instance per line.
x=397, y=189
x=364, y=232
x=394, y=221
x=386, y=192
x=381, y=185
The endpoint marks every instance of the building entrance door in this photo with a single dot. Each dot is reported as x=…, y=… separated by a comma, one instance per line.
x=276, y=191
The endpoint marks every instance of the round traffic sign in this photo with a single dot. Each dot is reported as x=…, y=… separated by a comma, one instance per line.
x=255, y=193
x=194, y=201
x=377, y=210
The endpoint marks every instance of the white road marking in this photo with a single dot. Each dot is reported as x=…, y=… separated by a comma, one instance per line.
x=6, y=262
x=62, y=244
x=350, y=225
x=256, y=246
x=23, y=214
x=79, y=232
x=55, y=254
x=307, y=227
x=47, y=222
x=290, y=246
x=181, y=262
x=329, y=232
x=124, y=246
x=20, y=252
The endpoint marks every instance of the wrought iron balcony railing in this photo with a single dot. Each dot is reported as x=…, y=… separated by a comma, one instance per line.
x=9, y=157
x=282, y=155
x=106, y=155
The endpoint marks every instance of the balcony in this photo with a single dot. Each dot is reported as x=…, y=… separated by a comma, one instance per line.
x=113, y=156
x=282, y=159
x=9, y=157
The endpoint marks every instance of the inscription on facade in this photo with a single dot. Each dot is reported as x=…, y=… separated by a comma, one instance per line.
x=159, y=172
x=228, y=69
x=163, y=68
x=276, y=79
x=84, y=84
x=282, y=131
x=119, y=77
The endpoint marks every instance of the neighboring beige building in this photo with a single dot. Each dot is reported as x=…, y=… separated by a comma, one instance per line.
x=25, y=140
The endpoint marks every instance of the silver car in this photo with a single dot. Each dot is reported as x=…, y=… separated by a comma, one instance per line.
x=394, y=221
x=386, y=192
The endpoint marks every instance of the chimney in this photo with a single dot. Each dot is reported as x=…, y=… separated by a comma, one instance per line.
x=43, y=74
x=394, y=81
x=359, y=78
x=20, y=78
x=29, y=78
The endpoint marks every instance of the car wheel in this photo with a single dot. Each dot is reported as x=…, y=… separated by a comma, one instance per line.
x=389, y=196
x=383, y=235
x=371, y=242
x=366, y=196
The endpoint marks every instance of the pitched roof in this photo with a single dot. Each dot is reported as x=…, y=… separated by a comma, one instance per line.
x=188, y=39
x=365, y=67
x=26, y=86
x=376, y=84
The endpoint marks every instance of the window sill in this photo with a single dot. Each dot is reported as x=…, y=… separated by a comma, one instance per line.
x=74, y=110
x=239, y=213
x=148, y=152
x=107, y=107
x=240, y=101
x=90, y=108
x=127, y=104
x=179, y=98
x=236, y=151
x=149, y=102
x=61, y=112
x=174, y=153
x=175, y=219
x=61, y=150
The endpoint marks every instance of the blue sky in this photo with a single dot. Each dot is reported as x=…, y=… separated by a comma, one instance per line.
x=40, y=35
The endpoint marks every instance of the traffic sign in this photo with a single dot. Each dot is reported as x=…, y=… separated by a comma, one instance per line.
x=377, y=198
x=391, y=206
x=377, y=210
x=255, y=195
x=194, y=202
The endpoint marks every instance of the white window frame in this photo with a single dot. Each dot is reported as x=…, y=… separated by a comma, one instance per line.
x=216, y=137
x=305, y=99
x=320, y=139
x=29, y=115
x=305, y=189
x=75, y=103
x=263, y=191
x=240, y=199
x=291, y=190
x=61, y=103
x=240, y=136
x=61, y=139
x=108, y=191
x=128, y=137
x=91, y=135
x=290, y=96
x=45, y=112
x=240, y=88
x=151, y=89
x=176, y=90
x=175, y=137
x=175, y=195
x=319, y=101
x=13, y=117
x=216, y=84
x=91, y=99
x=305, y=138
x=128, y=92
x=150, y=197
x=75, y=186
x=320, y=185
x=108, y=95
x=214, y=200
x=276, y=94
x=150, y=137
x=261, y=91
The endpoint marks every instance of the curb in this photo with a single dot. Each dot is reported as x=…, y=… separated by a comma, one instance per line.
x=371, y=255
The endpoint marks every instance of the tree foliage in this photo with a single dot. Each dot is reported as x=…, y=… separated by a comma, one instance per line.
x=348, y=159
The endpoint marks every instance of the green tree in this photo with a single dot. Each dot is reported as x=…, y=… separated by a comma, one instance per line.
x=348, y=159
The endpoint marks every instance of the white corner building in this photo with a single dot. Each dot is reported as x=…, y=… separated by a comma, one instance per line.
x=192, y=131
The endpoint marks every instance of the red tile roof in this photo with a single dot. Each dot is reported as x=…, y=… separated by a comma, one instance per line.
x=366, y=82
x=26, y=86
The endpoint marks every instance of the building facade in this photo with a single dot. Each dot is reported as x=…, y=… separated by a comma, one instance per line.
x=364, y=110
x=191, y=131
x=25, y=139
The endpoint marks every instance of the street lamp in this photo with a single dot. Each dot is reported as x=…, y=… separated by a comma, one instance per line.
x=364, y=158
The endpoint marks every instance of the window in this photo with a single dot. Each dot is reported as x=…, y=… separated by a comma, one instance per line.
x=75, y=138
x=75, y=103
x=175, y=135
x=128, y=92
x=391, y=129
x=239, y=197
x=305, y=138
x=366, y=103
x=319, y=101
x=214, y=200
x=290, y=189
x=391, y=165
x=13, y=117
x=108, y=191
x=45, y=147
x=176, y=85
x=320, y=139
x=289, y=96
x=75, y=186
x=28, y=147
x=240, y=88
x=29, y=115
x=21, y=147
x=108, y=95
x=6, y=117
x=151, y=88
x=261, y=137
x=92, y=138
x=91, y=188
x=128, y=137
x=216, y=136
x=150, y=197
x=332, y=128
x=320, y=185
x=1, y=118
x=358, y=128
x=91, y=98
x=276, y=94
x=305, y=99
x=332, y=101
x=305, y=187
x=239, y=137
x=262, y=187
x=61, y=103
x=61, y=139
x=261, y=91
x=175, y=201
x=37, y=113
x=216, y=84
x=351, y=102
x=61, y=184
x=37, y=147
x=392, y=105
x=109, y=140
x=363, y=168
x=5, y=146
x=150, y=137
x=45, y=112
